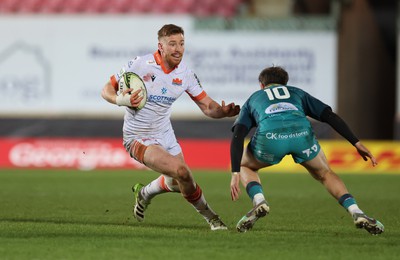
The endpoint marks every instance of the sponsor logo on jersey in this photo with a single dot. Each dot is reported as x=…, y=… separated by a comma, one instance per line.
x=177, y=82
x=280, y=107
x=280, y=136
x=149, y=77
x=161, y=99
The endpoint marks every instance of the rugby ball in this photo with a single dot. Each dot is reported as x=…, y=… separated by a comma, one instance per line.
x=132, y=81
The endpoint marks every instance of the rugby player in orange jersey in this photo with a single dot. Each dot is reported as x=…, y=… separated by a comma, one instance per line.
x=148, y=135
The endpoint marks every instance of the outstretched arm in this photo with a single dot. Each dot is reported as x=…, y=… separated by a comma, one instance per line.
x=214, y=110
x=239, y=133
x=337, y=123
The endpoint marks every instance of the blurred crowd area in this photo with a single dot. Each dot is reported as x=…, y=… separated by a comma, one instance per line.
x=199, y=8
x=366, y=30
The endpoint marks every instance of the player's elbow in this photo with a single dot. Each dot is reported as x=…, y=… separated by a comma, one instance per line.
x=108, y=93
x=104, y=94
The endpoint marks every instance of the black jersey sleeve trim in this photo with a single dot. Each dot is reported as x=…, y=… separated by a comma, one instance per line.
x=337, y=123
x=239, y=133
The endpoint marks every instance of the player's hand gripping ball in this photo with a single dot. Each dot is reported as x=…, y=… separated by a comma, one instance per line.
x=133, y=82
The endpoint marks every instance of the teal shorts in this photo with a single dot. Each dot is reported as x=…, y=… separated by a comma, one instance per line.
x=270, y=147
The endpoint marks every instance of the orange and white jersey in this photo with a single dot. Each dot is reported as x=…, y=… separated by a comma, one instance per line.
x=163, y=88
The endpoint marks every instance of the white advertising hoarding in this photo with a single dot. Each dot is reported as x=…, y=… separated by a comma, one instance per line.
x=57, y=65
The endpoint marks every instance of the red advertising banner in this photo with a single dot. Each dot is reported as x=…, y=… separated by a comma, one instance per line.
x=100, y=153
x=96, y=153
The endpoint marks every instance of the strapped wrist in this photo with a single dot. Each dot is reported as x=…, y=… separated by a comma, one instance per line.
x=123, y=100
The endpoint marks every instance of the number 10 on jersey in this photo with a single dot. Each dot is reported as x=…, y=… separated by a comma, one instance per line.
x=280, y=92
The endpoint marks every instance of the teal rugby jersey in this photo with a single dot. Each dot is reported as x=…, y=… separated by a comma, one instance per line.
x=279, y=107
x=279, y=113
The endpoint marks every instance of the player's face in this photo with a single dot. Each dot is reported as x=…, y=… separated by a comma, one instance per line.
x=172, y=49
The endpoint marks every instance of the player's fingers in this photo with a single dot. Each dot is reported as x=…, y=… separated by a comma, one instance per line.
x=373, y=160
x=223, y=103
x=126, y=91
x=136, y=93
x=135, y=101
x=374, y=163
x=234, y=196
x=235, y=191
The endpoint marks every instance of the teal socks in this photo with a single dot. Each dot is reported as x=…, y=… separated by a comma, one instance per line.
x=253, y=188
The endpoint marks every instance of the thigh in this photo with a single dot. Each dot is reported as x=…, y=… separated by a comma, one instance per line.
x=160, y=160
x=249, y=167
x=250, y=161
x=318, y=166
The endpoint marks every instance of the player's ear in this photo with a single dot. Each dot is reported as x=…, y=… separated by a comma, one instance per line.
x=160, y=47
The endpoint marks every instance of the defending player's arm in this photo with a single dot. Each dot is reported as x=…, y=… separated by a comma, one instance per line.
x=214, y=110
x=239, y=133
x=340, y=126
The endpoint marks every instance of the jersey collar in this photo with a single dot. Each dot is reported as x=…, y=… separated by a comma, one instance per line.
x=272, y=85
x=158, y=59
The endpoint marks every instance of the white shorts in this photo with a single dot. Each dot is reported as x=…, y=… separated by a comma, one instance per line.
x=167, y=140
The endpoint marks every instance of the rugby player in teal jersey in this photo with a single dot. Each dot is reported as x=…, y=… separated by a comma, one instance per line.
x=278, y=112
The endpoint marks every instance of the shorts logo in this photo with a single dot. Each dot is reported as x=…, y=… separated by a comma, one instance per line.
x=272, y=136
x=280, y=136
x=265, y=156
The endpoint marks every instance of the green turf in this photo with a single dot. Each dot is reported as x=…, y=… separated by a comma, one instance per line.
x=65, y=214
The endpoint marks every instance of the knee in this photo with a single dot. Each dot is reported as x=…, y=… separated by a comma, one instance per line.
x=183, y=173
x=321, y=175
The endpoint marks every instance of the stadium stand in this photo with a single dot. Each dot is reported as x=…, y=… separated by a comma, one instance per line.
x=204, y=8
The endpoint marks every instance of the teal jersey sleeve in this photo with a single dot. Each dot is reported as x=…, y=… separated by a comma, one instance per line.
x=312, y=106
x=245, y=117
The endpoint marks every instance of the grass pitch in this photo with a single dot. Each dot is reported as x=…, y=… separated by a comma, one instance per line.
x=66, y=214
